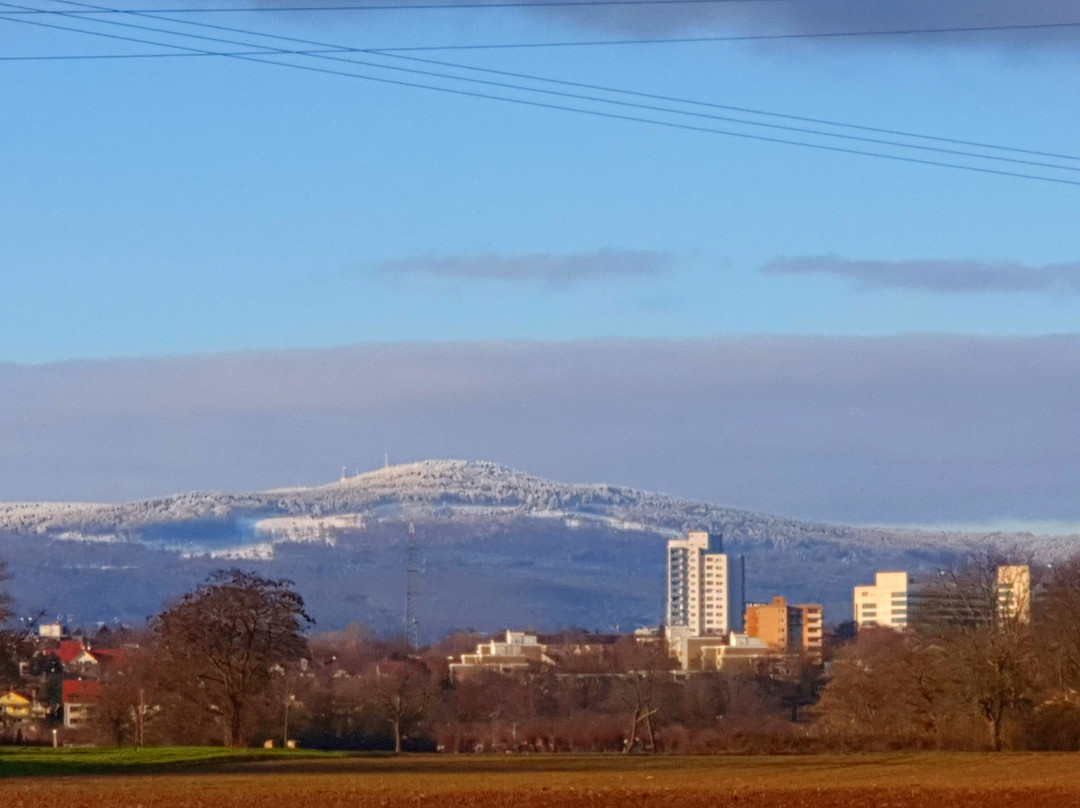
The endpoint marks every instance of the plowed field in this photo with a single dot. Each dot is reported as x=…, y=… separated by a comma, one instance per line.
x=858, y=781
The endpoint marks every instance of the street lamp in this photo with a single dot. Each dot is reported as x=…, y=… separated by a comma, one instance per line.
x=285, y=735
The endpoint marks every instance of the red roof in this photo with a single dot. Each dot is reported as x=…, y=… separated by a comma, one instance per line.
x=80, y=691
x=70, y=650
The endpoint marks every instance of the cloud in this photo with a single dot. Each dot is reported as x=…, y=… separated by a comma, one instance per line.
x=937, y=276
x=544, y=267
x=822, y=16
x=924, y=429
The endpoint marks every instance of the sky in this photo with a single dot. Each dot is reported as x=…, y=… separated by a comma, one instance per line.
x=184, y=209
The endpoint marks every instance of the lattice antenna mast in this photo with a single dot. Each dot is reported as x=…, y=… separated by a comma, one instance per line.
x=412, y=587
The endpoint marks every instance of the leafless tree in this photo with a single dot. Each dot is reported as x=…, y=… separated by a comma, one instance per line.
x=226, y=636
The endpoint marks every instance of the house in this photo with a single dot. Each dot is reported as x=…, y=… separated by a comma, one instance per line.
x=76, y=658
x=80, y=698
x=14, y=708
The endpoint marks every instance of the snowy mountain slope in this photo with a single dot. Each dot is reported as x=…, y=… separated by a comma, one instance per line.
x=501, y=547
x=470, y=491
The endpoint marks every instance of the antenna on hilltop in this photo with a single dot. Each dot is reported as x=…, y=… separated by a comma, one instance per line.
x=386, y=460
x=343, y=474
x=412, y=576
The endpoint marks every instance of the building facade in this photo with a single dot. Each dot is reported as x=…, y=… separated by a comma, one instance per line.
x=787, y=628
x=885, y=603
x=704, y=586
x=705, y=594
x=930, y=602
x=1014, y=592
x=521, y=651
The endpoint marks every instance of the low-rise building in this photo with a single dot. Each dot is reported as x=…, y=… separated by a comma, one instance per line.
x=740, y=652
x=519, y=652
x=14, y=707
x=80, y=698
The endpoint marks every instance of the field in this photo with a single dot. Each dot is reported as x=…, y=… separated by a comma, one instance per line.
x=210, y=780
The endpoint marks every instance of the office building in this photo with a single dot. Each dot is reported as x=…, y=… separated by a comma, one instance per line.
x=885, y=603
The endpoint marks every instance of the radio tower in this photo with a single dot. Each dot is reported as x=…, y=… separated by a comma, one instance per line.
x=412, y=575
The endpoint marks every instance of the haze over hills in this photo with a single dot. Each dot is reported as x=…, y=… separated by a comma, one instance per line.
x=500, y=547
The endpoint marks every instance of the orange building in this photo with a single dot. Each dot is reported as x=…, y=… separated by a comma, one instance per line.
x=790, y=629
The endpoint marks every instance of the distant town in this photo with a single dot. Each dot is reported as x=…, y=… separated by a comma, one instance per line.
x=719, y=673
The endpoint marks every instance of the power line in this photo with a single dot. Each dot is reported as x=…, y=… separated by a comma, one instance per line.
x=749, y=110
x=588, y=43
x=593, y=43
x=411, y=6
x=39, y=24
x=669, y=124
x=671, y=99
x=395, y=53
x=93, y=56
x=592, y=99
x=153, y=29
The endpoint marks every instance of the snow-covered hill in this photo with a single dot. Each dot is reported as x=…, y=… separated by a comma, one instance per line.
x=501, y=547
x=469, y=491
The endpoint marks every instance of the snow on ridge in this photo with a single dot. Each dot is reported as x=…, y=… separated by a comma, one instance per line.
x=466, y=489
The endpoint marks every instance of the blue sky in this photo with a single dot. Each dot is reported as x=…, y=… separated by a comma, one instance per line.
x=203, y=205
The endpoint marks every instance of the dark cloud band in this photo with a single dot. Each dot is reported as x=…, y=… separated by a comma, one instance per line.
x=544, y=267
x=937, y=276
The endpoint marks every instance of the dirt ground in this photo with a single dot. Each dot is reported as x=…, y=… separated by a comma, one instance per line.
x=865, y=781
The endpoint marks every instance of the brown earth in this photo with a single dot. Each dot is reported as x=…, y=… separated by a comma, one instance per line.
x=861, y=781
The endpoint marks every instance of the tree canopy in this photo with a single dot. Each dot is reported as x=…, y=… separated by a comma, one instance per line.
x=224, y=639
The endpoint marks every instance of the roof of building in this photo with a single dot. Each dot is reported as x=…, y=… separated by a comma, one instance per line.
x=70, y=650
x=81, y=690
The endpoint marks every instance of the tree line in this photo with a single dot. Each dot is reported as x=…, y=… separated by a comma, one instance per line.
x=234, y=662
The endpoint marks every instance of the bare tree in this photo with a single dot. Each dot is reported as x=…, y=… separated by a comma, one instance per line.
x=1058, y=625
x=226, y=636
x=987, y=639
x=399, y=692
x=889, y=686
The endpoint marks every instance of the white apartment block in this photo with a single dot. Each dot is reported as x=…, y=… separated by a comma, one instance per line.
x=704, y=587
x=885, y=603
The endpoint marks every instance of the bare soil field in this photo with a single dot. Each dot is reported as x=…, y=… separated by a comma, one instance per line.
x=896, y=780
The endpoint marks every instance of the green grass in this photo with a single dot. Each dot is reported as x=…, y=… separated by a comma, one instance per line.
x=25, y=761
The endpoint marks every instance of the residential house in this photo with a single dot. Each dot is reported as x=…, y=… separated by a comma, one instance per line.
x=80, y=697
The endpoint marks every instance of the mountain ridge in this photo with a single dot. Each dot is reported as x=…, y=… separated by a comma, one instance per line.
x=430, y=487
x=500, y=548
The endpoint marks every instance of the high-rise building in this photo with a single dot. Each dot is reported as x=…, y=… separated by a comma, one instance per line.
x=786, y=628
x=704, y=587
